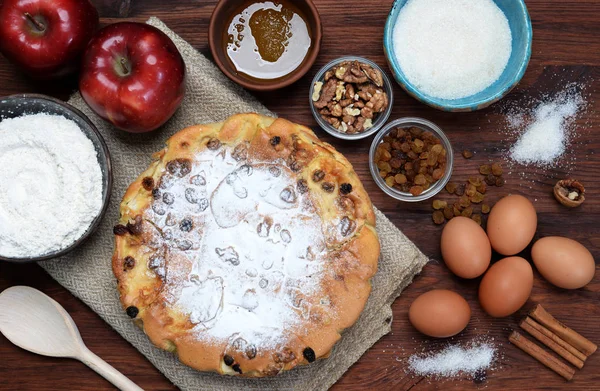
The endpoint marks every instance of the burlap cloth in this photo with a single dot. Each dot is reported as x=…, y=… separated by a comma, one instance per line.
x=86, y=272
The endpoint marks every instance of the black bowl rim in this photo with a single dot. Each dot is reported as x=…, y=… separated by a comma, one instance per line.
x=109, y=174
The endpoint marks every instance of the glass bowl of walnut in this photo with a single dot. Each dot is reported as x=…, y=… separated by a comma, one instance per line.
x=351, y=98
x=411, y=159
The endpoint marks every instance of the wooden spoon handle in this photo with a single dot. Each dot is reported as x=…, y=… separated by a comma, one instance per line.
x=106, y=371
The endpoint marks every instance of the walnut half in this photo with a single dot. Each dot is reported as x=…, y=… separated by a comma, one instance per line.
x=569, y=192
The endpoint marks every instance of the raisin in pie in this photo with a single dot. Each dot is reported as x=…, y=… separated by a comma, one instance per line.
x=246, y=247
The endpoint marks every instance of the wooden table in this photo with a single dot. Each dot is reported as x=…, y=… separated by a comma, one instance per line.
x=566, y=48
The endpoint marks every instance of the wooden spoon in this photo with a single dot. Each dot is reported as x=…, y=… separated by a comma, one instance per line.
x=35, y=322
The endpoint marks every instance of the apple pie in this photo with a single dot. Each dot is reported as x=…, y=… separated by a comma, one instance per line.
x=246, y=247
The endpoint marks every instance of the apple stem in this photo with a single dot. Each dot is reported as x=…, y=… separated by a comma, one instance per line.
x=38, y=25
x=124, y=65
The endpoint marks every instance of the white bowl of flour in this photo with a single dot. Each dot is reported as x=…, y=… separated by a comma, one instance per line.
x=55, y=178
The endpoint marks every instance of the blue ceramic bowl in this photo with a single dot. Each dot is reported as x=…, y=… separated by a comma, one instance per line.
x=520, y=27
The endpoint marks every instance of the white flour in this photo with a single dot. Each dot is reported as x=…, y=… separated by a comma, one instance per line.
x=256, y=247
x=50, y=184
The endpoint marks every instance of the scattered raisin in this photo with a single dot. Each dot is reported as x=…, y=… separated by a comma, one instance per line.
x=496, y=169
x=451, y=187
x=179, y=167
x=328, y=187
x=213, y=144
x=345, y=188
x=490, y=179
x=500, y=181
x=155, y=261
x=186, y=225
x=295, y=166
x=439, y=204
x=448, y=213
x=251, y=352
x=148, y=183
x=482, y=188
x=456, y=210
x=470, y=190
x=203, y=204
x=467, y=154
x=460, y=190
x=438, y=217
x=120, y=230
x=135, y=227
x=485, y=209
x=347, y=226
x=476, y=218
x=309, y=354
x=236, y=367
x=132, y=311
x=477, y=198
x=128, y=263
x=475, y=181
x=302, y=186
x=228, y=360
x=318, y=175
x=275, y=140
x=169, y=198
x=485, y=169
x=240, y=152
x=467, y=212
x=464, y=201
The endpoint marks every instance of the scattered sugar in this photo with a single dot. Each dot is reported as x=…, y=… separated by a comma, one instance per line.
x=453, y=360
x=452, y=49
x=545, y=132
x=256, y=249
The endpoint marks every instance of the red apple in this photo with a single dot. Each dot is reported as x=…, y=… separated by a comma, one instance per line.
x=133, y=76
x=45, y=38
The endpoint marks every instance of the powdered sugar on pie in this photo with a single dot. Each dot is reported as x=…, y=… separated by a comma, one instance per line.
x=246, y=247
x=253, y=241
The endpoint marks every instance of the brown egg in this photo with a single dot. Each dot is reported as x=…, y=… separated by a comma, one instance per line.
x=511, y=224
x=439, y=313
x=563, y=262
x=506, y=286
x=465, y=248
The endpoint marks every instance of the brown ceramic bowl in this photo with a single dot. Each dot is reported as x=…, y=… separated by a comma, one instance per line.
x=219, y=21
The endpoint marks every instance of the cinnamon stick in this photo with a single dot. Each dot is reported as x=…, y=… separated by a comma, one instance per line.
x=541, y=355
x=533, y=328
x=567, y=346
x=577, y=340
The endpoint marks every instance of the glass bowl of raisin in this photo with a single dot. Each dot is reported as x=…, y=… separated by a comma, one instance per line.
x=411, y=159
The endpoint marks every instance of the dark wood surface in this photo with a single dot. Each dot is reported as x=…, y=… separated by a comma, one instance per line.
x=566, y=48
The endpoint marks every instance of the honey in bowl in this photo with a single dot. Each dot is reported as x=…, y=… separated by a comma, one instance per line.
x=267, y=40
